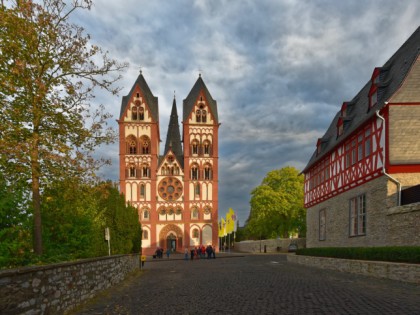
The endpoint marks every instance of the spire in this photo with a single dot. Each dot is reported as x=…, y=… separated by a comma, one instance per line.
x=173, y=139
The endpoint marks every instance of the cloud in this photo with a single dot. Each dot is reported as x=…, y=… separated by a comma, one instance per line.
x=279, y=70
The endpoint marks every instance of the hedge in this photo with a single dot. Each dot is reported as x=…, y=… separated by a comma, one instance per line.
x=402, y=254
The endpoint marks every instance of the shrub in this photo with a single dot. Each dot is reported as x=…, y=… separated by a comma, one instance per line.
x=403, y=254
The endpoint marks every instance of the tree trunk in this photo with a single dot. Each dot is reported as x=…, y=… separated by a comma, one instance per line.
x=36, y=197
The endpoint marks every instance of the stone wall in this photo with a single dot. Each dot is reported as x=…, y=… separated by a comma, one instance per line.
x=404, y=225
x=57, y=288
x=270, y=245
x=378, y=269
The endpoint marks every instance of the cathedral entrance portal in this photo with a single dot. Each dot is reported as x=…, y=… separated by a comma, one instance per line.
x=170, y=237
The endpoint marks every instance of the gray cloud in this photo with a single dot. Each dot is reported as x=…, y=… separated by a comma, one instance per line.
x=278, y=69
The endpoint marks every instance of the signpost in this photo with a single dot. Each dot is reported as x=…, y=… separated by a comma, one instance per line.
x=108, y=238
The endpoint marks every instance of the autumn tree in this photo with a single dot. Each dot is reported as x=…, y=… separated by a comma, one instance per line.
x=49, y=70
x=277, y=205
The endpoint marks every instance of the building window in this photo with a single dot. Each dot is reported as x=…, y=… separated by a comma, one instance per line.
x=194, y=213
x=145, y=171
x=206, y=147
x=367, y=142
x=131, y=145
x=141, y=113
x=197, y=189
x=322, y=225
x=195, y=233
x=207, y=172
x=145, y=234
x=194, y=172
x=146, y=214
x=142, y=191
x=358, y=215
x=145, y=145
x=132, y=171
x=194, y=147
x=134, y=113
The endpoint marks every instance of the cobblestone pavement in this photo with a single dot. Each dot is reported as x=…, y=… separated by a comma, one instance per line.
x=252, y=284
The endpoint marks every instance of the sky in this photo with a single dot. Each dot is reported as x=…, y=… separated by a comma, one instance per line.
x=278, y=69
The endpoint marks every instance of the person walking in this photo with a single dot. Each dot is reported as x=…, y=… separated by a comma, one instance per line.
x=186, y=253
x=168, y=252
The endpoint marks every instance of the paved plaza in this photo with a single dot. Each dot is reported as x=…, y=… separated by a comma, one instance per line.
x=251, y=284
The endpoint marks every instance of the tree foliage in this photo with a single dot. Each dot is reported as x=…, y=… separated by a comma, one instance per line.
x=48, y=73
x=277, y=205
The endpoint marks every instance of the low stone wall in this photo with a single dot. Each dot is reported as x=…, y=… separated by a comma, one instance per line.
x=403, y=225
x=378, y=269
x=57, y=288
x=270, y=245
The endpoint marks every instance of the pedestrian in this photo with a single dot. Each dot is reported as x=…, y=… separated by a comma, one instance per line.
x=168, y=252
x=186, y=253
x=213, y=252
x=192, y=254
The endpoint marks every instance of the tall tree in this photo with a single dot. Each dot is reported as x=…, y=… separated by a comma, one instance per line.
x=277, y=205
x=48, y=72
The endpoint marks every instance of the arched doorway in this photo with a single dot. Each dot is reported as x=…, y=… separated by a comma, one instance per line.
x=171, y=242
x=171, y=237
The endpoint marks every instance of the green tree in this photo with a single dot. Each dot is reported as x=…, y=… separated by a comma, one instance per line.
x=48, y=73
x=277, y=205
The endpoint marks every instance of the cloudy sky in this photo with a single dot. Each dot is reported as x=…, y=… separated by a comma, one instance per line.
x=279, y=70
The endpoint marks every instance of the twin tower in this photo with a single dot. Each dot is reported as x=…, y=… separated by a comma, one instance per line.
x=175, y=192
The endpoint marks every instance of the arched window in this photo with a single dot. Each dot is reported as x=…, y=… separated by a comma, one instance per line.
x=145, y=171
x=131, y=145
x=197, y=189
x=146, y=214
x=198, y=115
x=142, y=191
x=206, y=147
x=141, y=113
x=207, y=172
x=194, y=147
x=176, y=170
x=134, y=112
x=194, y=213
x=194, y=172
x=145, y=234
x=195, y=233
x=145, y=145
x=132, y=171
x=203, y=115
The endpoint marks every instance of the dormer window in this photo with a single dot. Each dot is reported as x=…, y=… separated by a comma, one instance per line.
x=344, y=109
x=373, y=92
x=340, y=127
x=318, y=146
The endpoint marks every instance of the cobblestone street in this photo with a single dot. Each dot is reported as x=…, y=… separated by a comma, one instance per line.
x=251, y=284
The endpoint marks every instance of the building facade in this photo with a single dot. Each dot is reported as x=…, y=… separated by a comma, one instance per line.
x=175, y=192
x=368, y=155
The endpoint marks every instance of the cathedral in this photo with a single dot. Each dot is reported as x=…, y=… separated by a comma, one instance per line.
x=175, y=191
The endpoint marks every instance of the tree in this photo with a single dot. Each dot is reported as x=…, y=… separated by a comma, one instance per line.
x=277, y=205
x=48, y=73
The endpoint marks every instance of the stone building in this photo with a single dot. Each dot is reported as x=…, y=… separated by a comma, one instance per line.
x=175, y=192
x=368, y=155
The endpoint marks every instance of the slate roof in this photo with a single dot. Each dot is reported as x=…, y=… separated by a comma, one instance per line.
x=150, y=99
x=391, y=76
x=173, y=138
x=192, y=98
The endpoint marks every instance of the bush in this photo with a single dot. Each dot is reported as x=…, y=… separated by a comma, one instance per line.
x=402, y=254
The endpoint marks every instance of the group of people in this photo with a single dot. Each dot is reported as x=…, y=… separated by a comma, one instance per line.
x=159, y=253
x=200, y=252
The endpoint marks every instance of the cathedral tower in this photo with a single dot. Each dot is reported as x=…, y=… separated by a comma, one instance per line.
x=176, y=192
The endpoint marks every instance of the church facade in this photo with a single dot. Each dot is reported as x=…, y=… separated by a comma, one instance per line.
x=175, y=191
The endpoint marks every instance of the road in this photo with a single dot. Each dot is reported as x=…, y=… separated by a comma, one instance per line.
x=251, y=284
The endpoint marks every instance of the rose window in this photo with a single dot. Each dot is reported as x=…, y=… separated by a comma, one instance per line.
x=170, y=188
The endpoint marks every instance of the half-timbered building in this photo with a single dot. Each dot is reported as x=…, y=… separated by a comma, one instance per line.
x=175, y=191
x=369, y=154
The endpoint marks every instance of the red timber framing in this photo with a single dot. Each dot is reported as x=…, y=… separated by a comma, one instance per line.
x=355, y=161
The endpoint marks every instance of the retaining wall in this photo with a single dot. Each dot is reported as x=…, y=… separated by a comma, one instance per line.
x=57, y=288
x=378, y=269
x=270, y=245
